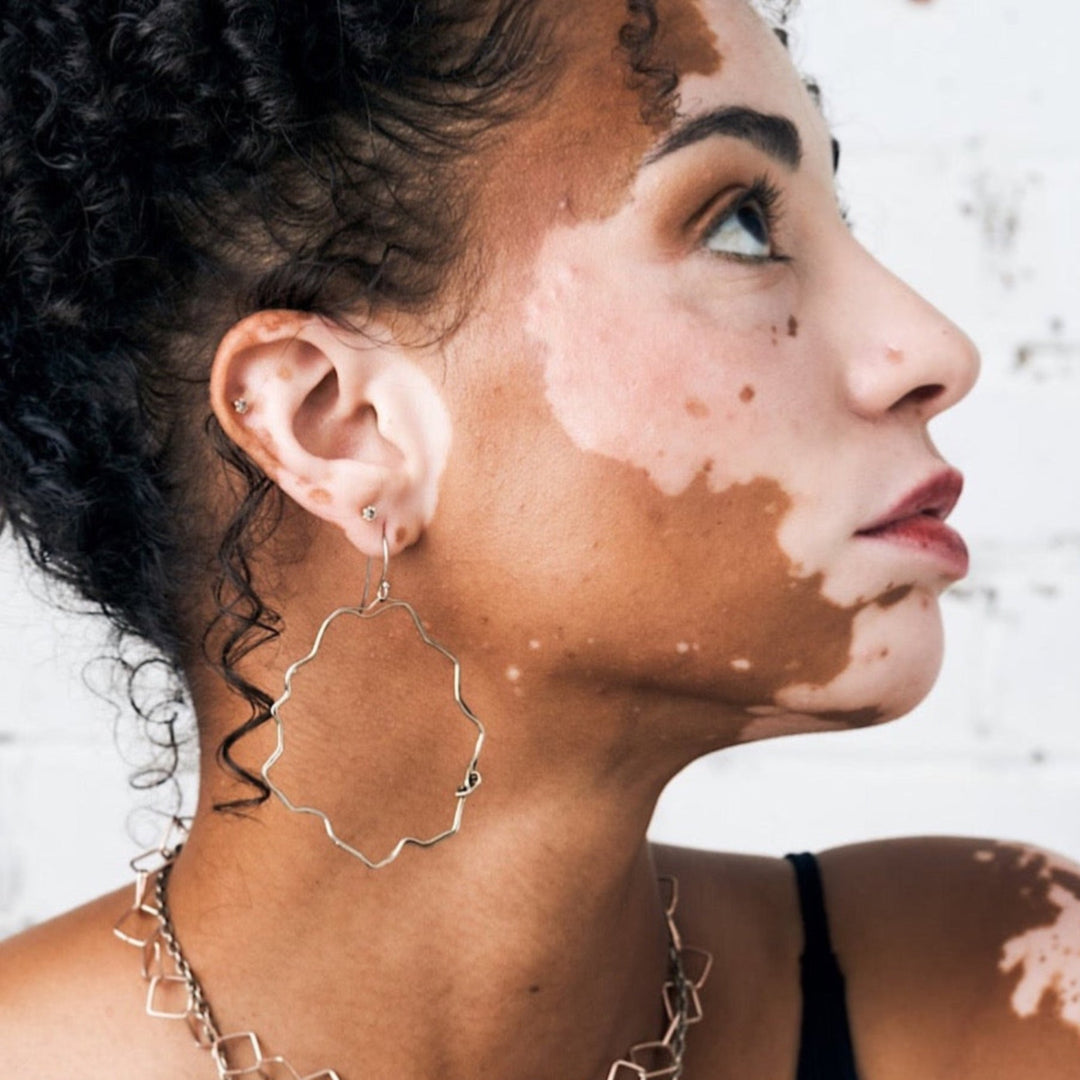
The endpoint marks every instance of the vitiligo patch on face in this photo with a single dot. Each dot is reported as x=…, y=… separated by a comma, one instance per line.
x=669, y=412
x=576, y=153
x=643, y=418
x=656, y=364
x=1047, y=958
x=769, y=626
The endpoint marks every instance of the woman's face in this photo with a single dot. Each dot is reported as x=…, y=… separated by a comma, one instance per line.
x=689, y=393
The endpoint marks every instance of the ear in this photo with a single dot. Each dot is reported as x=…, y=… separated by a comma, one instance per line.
x=341, y=422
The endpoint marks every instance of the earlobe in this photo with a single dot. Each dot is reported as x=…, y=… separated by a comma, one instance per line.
x=346, y=425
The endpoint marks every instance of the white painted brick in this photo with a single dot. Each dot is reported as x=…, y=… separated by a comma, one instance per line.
x=1018, y=446
x=62, y=824
x=752, y=800
x=900, y=73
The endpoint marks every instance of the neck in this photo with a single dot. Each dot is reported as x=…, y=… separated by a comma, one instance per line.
x=537, y=920
x=533, y=942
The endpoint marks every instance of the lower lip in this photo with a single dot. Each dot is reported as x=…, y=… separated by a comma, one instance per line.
x=931, y=537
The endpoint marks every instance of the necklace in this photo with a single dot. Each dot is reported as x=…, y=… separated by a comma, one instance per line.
x=175, y=993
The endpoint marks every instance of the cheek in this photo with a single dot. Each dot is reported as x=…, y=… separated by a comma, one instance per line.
x=689, y=592
x=690, y=426
x=640, y=377
x=762, y=626
x=706, y=439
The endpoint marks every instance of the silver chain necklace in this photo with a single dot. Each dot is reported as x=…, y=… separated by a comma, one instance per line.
x=175, y=993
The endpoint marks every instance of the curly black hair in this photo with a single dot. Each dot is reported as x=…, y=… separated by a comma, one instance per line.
x=169, y=166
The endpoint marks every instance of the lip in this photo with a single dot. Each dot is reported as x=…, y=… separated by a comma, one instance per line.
x=917, y=522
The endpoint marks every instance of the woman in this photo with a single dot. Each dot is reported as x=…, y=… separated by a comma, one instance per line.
x=545, y=323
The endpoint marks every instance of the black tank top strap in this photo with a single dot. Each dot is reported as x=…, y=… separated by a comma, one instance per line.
x=825, y=1048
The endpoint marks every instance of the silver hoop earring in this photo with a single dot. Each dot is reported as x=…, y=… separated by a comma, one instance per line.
x=372, y=609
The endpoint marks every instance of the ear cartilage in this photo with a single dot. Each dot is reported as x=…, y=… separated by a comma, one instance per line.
x=369, y=513
x=240, y=405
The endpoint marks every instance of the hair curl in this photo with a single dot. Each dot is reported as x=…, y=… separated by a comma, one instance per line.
x=176, y=164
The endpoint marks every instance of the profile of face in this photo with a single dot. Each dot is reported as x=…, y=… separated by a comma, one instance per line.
x=698, y=396
x=688, y=459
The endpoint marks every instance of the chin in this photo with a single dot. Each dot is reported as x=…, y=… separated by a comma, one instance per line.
x=896, y=657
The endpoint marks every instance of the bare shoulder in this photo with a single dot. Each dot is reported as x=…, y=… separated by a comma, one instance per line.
x=961, y=957
x=973, y=944
x=70, y=996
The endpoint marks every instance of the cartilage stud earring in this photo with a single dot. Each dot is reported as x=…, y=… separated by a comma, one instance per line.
x=240, y=405
x=369, y=513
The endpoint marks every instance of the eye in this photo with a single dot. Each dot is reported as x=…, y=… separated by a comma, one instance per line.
x=744, y=230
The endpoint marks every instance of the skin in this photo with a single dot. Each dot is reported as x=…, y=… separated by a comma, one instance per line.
x=616, y=612
x=1046, y=955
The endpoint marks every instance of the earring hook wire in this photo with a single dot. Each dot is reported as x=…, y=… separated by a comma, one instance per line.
x=379, y=605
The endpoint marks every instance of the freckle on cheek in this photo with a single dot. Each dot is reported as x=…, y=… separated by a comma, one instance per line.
x=793, y=327
x=697, y=409
x=747, y=394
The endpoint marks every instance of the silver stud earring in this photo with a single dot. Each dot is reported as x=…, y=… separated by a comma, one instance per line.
x=369, y=513
x=240, y=405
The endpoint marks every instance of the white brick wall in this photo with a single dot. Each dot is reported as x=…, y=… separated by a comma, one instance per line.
x=962, y=167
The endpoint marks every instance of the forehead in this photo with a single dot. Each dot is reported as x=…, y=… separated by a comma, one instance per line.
x=574, y=156
x=756, y=68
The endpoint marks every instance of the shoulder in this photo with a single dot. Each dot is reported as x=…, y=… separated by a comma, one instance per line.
x=974, y=945
x=72, y=976
x=961, y=957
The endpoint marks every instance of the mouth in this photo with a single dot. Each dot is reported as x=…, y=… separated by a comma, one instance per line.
x=917, y=523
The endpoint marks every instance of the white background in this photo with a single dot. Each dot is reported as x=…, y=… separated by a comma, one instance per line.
x=962, y=168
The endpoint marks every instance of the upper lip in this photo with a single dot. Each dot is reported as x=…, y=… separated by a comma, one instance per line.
x=934, y=498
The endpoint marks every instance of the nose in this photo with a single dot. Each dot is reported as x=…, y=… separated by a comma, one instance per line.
x=901, y=355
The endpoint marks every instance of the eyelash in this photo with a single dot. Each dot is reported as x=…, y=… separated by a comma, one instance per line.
x=768, y=198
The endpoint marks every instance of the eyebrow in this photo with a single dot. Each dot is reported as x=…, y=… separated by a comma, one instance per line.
x=774, y=135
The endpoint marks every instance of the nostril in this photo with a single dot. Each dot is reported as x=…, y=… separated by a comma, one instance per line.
x=921, y=395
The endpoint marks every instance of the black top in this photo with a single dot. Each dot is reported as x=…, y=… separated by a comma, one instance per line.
x=825, y=1049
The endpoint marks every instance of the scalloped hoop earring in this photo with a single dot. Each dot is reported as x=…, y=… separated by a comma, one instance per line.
x=372, y=609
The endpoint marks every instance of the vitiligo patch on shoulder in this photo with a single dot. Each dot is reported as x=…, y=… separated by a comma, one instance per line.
x=1048, y=957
